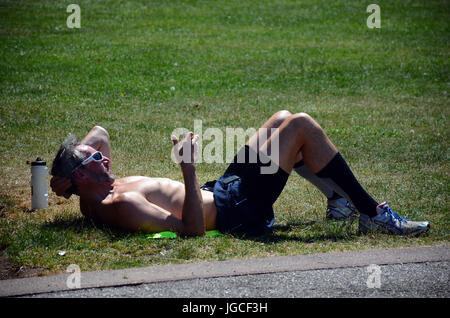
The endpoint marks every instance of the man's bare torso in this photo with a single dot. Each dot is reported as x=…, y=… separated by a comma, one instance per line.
x=163, y=192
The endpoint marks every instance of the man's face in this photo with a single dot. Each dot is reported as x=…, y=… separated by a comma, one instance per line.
x=97, y=172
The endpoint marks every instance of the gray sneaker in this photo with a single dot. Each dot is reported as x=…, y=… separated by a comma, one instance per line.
x=340, y=209
x=387, y=221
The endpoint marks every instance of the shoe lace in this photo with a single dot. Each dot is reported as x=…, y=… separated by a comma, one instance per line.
x=395, y=215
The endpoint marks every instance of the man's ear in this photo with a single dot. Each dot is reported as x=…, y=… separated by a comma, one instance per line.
x=78, y=174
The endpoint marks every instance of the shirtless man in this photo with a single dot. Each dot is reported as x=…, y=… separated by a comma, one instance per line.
x=239, y=201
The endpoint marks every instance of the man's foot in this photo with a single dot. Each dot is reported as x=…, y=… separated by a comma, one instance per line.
x=390, y=222
x=340, y=209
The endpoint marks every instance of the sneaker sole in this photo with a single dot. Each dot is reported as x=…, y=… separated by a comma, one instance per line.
x=383, y=230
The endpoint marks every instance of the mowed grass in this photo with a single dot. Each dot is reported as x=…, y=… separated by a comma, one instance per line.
x=141, y=69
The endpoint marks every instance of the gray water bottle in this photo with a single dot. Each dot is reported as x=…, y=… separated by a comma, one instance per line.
x=39, y=184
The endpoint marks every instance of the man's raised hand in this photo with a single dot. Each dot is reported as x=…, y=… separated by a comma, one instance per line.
x=186, y=151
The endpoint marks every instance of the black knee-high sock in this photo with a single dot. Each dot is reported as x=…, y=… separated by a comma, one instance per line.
x=340, y=178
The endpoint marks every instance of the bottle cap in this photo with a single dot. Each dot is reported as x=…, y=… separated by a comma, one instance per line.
x=38, y=162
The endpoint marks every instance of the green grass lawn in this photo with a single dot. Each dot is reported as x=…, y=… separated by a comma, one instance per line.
x=143, y=68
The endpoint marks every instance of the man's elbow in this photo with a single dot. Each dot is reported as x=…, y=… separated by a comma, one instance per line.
x=101, y=131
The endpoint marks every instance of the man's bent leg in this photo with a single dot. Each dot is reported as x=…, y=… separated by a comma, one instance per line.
x=265, y=131
x=289, y=147
x=300, y=135
x=303, y=171
x=336, y=203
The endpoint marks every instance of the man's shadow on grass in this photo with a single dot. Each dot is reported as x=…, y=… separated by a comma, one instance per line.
x=81, y=224
x=303, y=232
x=306, y=232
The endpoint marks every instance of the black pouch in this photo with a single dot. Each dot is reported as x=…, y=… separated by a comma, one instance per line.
x=209, y=185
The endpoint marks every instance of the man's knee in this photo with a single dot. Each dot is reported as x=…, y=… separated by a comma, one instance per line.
x=303, y=121
x=281, y=116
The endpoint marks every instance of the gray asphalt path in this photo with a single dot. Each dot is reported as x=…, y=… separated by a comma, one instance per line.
x=430, y=279
x=401, y=272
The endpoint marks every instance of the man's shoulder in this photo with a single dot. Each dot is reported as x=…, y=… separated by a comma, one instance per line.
x=131, y=179
x=124, y=190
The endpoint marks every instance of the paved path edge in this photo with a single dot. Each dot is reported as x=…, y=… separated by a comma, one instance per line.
x=165, y=273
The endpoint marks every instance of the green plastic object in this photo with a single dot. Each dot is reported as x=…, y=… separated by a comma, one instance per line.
x=213, y=233
x=169, y=234
x=165, y=234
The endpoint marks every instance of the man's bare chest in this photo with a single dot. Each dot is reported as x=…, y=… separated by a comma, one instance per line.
x=164, y=192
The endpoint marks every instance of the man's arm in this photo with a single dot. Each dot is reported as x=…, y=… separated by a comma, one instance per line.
x=192, y=216
x=98, y=138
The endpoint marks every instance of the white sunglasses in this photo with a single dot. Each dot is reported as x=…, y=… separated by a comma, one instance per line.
x=96, y=156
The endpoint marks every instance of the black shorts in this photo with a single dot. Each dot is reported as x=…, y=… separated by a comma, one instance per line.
x=244, y=196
